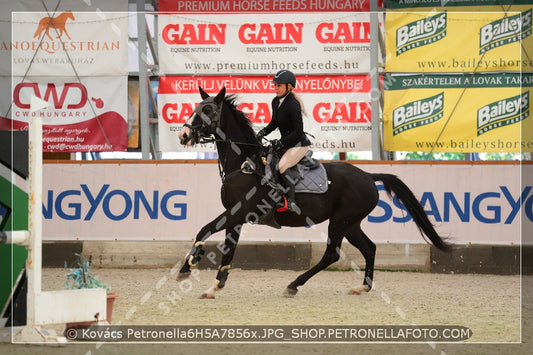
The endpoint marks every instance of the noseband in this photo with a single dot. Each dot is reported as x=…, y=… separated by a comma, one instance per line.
x=209, y=113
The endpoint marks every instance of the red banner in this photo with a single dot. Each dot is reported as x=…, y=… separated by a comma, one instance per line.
x=337, y=107
x=83, y=116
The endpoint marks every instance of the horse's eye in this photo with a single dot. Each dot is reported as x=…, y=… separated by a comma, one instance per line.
x=207, y=110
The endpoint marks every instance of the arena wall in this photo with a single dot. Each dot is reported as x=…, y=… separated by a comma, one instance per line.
x=483, y=207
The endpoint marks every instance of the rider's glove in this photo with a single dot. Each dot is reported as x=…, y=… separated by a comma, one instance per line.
x=276, y=143
x=260, y=135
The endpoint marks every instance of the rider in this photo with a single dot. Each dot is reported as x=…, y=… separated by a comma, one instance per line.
x=287, y=117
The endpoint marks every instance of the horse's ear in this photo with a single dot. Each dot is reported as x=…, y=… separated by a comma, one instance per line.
x=203, y=93
x=221, y=95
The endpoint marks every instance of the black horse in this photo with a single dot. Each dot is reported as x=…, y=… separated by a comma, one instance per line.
x=351, y=196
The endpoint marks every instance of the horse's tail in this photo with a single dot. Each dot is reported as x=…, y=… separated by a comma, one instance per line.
x=394, y=185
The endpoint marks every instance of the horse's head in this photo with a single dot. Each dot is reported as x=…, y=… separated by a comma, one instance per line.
x=69, y=14
x=205, y=119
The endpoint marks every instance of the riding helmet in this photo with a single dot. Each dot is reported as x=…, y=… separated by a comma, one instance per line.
x=285, y=77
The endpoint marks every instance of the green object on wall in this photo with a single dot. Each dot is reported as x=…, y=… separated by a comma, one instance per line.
x=14, y=216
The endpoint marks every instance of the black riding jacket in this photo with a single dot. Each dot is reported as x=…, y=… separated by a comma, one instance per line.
x=288, y=118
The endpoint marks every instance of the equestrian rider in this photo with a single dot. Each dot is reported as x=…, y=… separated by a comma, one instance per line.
x=287, y=117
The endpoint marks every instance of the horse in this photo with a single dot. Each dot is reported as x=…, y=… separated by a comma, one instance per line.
x=47, y=23
x=351, y=196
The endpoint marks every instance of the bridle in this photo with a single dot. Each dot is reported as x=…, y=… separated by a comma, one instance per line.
x=204, y=129
x=209, y=112
x=209, y=123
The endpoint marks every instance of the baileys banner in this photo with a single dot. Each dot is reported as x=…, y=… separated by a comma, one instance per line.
x=445, y=41
x=459, y=113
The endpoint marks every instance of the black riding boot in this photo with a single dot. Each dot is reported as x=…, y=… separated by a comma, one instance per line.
x=288, y=183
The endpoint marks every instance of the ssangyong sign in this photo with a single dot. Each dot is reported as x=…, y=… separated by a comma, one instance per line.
x=468, y=203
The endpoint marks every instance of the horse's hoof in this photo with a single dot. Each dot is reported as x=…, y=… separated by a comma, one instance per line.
x=290, y=292
x=207, y=296
x=183, y=276
x=359, y=289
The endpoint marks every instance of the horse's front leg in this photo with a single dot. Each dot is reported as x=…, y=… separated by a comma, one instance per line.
x=196, y=252
x=224, y=221
x=48, y=34
x=230, y=244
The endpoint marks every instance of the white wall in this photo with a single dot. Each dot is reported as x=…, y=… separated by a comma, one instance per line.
x=107, y=201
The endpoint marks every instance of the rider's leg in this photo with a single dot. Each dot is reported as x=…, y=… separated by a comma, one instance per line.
x=290, y=158
x=290, y=188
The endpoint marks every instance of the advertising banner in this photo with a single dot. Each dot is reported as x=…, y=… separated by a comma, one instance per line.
x=458, y=113
x=444, y=40
x=222, y=6
x=337, y=107
x=479, y=204
x=452, y=5
x=75, y=58
x=5, y=99
x=306, y=43
x=99, y=9
x=86, y=116
x=70, y=44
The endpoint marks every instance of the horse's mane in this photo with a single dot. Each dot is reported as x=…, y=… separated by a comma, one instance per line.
x=242, y=118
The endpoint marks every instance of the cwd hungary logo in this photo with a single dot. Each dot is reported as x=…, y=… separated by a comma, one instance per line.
x=502, y=113
x=422, y=32
x=418, y=113
x=508, y=29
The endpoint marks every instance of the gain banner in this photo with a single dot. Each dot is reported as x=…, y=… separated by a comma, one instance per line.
x=306, y=43
x=459, y=113
x=337, y=108
x=221, y=6
x=466, y=39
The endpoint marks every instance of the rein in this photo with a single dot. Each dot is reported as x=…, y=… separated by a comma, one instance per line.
x=221, y=166
x=206, y=125
x=204, y=140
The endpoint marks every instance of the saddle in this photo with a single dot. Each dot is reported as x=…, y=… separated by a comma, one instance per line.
x=309, y=174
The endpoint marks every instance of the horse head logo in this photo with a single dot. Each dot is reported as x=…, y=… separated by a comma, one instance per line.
x=58, y=23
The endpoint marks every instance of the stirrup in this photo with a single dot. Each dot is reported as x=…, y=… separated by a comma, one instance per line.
x=285, y=206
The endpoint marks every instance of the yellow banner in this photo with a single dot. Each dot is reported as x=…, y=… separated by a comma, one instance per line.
x=458, y=113
x=440, y=41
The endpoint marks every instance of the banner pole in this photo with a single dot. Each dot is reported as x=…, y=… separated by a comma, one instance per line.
x=143, y=100
x=375, y=91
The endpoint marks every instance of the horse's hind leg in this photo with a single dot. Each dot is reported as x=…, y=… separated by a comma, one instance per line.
x=359, y=239
x=331, y=255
